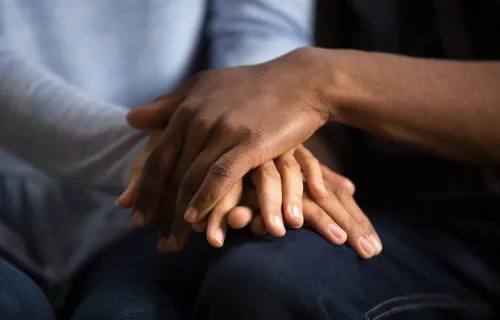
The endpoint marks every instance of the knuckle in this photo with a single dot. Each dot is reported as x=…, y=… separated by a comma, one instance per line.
x=289, y=165
x=340, y=193
x=312, y=161
x=270, y=175
x=296, y=195
x=318, y=213
x=222, y=170
x=202, y=124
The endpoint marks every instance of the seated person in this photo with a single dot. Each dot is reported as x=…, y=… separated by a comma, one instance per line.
x=65, y=87
x=435, y=209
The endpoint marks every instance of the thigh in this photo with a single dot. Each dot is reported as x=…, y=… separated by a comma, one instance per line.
x=131, y=280
x=20, y=297
x=302, y=276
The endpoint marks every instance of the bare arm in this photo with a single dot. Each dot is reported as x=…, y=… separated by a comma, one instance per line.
x=448, y=107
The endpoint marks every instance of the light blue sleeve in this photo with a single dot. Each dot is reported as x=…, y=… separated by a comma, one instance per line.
x=59, y=129
x=246, y=32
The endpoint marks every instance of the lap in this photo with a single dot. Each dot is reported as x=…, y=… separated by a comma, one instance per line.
x=20, y=296
x=131, y=280
x=424, y=272
x=303, y=276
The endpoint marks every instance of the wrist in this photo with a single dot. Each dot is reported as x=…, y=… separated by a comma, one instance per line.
x=340, y=88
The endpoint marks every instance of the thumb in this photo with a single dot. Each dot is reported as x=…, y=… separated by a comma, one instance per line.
x=156, y=115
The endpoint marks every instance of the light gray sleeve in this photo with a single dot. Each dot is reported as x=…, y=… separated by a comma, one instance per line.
x=246, y=32
x=59, y=129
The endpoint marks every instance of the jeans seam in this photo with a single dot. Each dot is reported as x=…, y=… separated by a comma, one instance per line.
x=442, y=301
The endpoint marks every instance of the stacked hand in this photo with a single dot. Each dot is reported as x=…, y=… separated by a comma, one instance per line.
x=326, y=205
x=221, y=125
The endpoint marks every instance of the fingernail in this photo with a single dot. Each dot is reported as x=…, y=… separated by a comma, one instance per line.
x=191, y=215
x=219, y=236
x=366, y=245
x=376, y=243
x=278, y=222
x=296, y=212
x=337, y=232
x=138, y=219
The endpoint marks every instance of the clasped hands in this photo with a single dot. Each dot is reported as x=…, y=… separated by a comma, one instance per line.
x=228, y=152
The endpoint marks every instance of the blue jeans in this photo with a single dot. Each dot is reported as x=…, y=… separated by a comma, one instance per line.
x=428, y=270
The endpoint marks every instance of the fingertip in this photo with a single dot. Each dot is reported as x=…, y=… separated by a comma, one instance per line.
x=216, y=238
x=168, y=245
x=138, y=219
x=294, y=217
x=191, y=215
x=258, y=227
x=339, y=233
x=239, y=217
x=200, y=226
x=368, y=249
x=276, y=227
x=376, y=243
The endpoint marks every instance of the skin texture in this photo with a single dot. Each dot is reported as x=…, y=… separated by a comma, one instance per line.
x=451, y=108
x=234, y=120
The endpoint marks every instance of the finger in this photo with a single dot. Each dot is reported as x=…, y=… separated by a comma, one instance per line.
x=154, y=176
x=192, y=144
x=337, y=179
x=267, y=182
x=165, y=244
x=200, y=226
x=126, y=199
x=177, y=238
x=293, y=188
x=318, y=219
x=312, y=172
x=250, y=198
x=211, y=176
x=217, y=220
x=158, y=114
x=257, y=226
x=355, y=211
x=357, y=237
x=239, y=217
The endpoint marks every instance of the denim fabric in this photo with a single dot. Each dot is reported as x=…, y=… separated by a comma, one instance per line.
x=20, y=297
x=427, y=271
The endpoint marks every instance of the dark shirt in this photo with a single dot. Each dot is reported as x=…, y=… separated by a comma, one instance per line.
x=453, y=29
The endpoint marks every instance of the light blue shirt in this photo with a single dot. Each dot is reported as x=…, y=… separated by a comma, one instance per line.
x=69, y=72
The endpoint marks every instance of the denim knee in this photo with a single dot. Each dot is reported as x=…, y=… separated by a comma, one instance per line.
x=268, y=280
x=125, y=303
x=20, y=297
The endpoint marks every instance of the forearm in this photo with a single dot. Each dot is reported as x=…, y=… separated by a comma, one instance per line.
x=448, y=107
x=59, y=129
x=247, y=32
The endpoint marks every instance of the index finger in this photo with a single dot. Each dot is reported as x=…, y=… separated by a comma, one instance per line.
x=153, y=180
x=222, y=175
